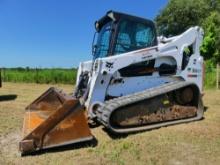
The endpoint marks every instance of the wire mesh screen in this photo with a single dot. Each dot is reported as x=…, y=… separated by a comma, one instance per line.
x=133, y=36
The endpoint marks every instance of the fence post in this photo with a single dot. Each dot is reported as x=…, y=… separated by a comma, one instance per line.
x=0, y=77
x=217, y=76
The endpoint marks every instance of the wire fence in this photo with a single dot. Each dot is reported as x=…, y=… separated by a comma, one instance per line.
x=211, y=79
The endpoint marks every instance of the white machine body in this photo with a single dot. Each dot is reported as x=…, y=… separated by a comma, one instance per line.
x=105, y=80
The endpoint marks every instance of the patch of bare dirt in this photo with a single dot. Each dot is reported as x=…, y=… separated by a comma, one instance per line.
x=9, y=146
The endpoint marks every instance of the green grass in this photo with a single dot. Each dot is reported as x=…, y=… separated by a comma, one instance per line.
x=190, y=143
x=210, y=78
x=39, y=76
x=68, y=76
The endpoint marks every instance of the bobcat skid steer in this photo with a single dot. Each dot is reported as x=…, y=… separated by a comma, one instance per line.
x=135, y=82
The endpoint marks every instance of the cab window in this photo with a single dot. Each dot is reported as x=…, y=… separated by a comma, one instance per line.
x=133, y=36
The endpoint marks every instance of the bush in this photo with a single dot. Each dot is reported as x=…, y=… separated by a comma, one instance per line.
x=41, y=76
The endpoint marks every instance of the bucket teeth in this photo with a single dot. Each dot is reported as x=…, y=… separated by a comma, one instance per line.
x=54, y=119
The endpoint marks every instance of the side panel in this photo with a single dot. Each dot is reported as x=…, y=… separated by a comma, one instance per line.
x=194, y=71
x=135, y=84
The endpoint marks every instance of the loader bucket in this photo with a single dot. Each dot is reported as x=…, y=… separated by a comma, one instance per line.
x=54, y=119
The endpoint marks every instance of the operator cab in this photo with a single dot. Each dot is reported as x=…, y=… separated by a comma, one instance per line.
x=120, y=33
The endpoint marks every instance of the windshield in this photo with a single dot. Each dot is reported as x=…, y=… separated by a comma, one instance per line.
x=133, y=36
x=103, y=41
x=129, y=35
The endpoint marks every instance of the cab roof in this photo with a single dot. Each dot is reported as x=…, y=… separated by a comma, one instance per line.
x=116, y=16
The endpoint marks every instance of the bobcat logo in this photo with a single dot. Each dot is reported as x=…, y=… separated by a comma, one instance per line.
x=109, y=65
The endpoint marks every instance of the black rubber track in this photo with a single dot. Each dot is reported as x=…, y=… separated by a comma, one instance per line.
x=105, y=111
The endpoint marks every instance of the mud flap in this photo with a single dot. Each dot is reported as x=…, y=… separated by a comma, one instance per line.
x=54, y=119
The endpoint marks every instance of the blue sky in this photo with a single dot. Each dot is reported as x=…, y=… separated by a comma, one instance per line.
x=57, y=33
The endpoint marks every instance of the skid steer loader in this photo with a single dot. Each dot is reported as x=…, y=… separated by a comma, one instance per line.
x=136, y=81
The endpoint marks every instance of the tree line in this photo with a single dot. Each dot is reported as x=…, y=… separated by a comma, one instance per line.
x=179, y=15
